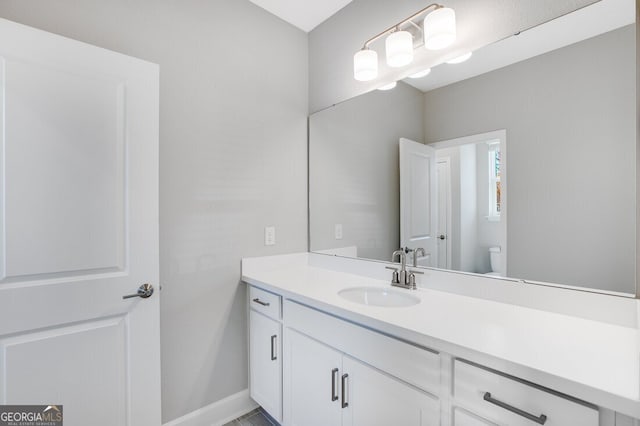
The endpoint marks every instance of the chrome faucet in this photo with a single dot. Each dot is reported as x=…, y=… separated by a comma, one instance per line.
x=402, y=274
x=403, y=278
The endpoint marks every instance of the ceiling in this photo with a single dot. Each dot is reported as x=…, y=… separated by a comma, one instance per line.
x=304, y=14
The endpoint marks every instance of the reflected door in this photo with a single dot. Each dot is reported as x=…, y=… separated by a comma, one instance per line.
x=78, y=229
x=444, y=213
x=418, y=200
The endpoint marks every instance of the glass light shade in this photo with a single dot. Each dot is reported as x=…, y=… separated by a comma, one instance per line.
x=365, y=65
x=399, y=47
x=439, y=28
x=421, y=74
x=460, y=59
x=388, y=86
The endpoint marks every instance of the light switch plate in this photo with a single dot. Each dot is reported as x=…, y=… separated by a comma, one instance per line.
x=338, y=231
x=269, y=235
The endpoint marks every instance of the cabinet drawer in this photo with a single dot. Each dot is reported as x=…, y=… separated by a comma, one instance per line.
x=265, y=302
x=506, y=400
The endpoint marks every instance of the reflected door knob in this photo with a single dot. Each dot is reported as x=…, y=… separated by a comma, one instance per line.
x=144, y=291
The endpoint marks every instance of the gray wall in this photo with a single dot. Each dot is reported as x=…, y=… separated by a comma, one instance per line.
x=479, y=22
x=232, y=160
x=570, y=117
x=353, y=170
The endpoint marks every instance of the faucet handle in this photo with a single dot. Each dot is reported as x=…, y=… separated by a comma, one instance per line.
x=411, y=278
x=395, y=279
x=416, y=253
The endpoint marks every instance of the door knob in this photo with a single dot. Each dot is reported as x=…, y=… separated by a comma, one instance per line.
x=144, y=291
x=442, y=237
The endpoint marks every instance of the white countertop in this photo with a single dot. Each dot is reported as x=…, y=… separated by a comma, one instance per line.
x=592, y=360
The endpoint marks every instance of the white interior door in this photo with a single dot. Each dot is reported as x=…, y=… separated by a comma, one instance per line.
x=78, y=229
x=418, y=199
x=443, y=230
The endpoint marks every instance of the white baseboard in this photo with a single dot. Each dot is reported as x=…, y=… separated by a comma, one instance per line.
x=218, y=413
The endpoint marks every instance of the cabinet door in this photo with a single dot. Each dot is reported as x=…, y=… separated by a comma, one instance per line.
x=312, y=396
x=265, y=363
x=464, y=418
x=376, y=399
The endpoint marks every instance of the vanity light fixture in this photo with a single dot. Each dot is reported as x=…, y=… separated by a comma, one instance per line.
x=460, y=59
x=421, y=74
x=438, y=29
x=399, y=47
x=365, y=65
x=388, y=86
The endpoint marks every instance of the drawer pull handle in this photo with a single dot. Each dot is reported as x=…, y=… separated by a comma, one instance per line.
x=334, y=384
x=260, y=302
x=345, y=391
x=274, y=352
x=540, y=420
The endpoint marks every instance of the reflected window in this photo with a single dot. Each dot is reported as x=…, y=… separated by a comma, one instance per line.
x=494, y=181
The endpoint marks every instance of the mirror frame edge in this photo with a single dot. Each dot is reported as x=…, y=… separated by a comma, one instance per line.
x=637, y=152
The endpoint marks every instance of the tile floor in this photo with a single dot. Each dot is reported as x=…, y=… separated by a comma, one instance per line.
x=255, y=418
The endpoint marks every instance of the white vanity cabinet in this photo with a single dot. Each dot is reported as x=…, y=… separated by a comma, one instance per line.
x=313, y=368
x=265, y=351
x=326, y=387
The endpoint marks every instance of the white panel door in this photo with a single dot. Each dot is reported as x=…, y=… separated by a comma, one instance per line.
x=418, y=199
x=265, y=363
x=312, y=382
x=376, y=399
x=78, y=229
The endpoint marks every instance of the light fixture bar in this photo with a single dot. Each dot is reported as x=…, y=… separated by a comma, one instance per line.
x=399, y=24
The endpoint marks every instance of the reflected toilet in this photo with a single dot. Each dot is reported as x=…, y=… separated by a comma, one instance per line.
x=495, y=257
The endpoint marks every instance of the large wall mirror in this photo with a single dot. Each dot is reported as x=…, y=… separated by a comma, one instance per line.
x=518, y=163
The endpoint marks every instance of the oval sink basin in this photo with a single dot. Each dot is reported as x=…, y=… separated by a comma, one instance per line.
x=376, y=296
